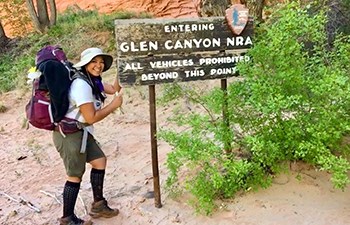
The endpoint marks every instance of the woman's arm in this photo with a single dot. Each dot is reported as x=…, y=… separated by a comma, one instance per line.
x=92, y=116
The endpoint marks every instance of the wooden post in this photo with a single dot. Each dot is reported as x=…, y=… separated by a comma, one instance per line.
x=227, y=144
x=154, y=147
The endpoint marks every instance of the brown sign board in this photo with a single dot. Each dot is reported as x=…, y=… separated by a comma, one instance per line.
x=153, y=51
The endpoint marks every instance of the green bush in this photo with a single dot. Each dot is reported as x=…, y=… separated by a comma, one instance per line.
x=293, y=104
x=74, y=31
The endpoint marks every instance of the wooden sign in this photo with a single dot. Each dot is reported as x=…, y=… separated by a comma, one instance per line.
x=152, y=51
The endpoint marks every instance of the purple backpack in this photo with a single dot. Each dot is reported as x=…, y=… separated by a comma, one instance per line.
x=50, y=52
x=39, y=109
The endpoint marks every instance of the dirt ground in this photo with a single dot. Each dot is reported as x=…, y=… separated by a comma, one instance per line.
x=33, y=173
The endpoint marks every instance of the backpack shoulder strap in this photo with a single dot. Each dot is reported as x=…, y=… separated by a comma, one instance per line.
x=81, y=75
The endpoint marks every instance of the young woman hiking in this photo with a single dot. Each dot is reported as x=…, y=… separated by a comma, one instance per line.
x=86, y=99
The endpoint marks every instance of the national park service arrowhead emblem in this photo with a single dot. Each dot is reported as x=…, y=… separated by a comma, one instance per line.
x=237, y=18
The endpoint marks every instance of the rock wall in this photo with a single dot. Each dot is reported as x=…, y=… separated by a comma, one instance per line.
x=159, y=8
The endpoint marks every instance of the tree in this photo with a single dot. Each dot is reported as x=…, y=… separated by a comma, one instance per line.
x=3, y=37
x=255, y=8
x=210, y=8
x=42, y=18
x=338, y=19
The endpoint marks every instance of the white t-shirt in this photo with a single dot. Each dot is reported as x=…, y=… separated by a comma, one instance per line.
x=80, y=93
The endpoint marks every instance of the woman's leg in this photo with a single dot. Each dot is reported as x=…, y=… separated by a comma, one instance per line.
x=74, y=163
x=70, y=195
x=98, y=161
x=97, y=178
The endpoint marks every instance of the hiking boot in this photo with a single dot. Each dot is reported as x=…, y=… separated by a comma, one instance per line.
x=73, y=220
x=101, y=209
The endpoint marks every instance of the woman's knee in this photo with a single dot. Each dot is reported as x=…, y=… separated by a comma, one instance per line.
x=99, y=163
x=74, y=179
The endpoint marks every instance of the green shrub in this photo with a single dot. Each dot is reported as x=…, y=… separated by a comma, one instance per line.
x=293, y=104
x=74, y=31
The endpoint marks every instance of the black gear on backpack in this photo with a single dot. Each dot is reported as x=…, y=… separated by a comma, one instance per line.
x=49, y=102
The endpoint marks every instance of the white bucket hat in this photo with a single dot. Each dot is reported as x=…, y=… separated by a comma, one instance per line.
x=88, y=54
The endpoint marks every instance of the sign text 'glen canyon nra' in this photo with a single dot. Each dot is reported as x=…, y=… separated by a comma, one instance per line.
x=152, y=51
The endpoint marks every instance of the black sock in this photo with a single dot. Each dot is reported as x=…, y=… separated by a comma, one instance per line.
x=70, y=195
x=96, y=179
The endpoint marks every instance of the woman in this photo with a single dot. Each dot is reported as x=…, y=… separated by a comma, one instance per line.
x=86, y=99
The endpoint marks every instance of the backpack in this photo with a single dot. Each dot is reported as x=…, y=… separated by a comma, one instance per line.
x=49, y=101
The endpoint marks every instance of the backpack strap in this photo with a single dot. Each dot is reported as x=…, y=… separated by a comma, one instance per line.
x=78, y=74
x=84, y=140
x=81, y=75
x=74, y=75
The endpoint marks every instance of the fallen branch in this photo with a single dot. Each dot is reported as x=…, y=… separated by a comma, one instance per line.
x=84, y=206
x=52, y=196
x=29, y=204
x=9, y=197
x=22, y=201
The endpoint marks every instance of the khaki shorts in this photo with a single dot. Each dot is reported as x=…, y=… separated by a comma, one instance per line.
x=69, y=149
